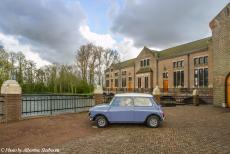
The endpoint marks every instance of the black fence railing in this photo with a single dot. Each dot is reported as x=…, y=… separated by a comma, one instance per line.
x=107, y=98
x=34, y=105
x=185, y=99
x=127, y=90
x=1, y=106
x=169, y=91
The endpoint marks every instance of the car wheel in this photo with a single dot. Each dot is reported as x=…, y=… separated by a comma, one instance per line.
x=153, y=121
x=101, y=121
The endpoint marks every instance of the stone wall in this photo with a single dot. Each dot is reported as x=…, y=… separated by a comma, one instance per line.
x=220, y=27
x=146, y=53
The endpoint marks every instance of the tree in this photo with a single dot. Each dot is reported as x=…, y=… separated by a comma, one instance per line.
x=21, y=66
x=4, y=66
x=82, y=59
x=111, y=57
x=93, y=60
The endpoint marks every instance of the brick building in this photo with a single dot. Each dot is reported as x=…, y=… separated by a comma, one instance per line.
x=203, y=64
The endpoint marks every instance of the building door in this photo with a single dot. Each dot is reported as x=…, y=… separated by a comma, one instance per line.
x=228, y=91
x=130, y=86
x=165, y=86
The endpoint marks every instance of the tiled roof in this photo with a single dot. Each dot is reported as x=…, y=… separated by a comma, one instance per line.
x=185, y=48
x=124, y=64
x=127, y=63
x=144, y=70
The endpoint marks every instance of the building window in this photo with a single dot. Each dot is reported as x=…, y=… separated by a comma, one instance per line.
x=111, y=82
x=174, y=79
x=123, y=73
x=201, y=77
x=116, y=83
x=174, y=65
x=145, y=62
x=182, y=78
x=107, y=75
x=178, y=78
x=196, y=77
x=165, y=75
x=178, y=64
x=201, y=60
x=206, y=77
x=123, y=82
x=141, y=63
x=107, y=83
x=146, y=82
x=111, y=70
x=139, y=82
x=130, y=78
x=116, y=74
x=196, y=61
x=206, y=59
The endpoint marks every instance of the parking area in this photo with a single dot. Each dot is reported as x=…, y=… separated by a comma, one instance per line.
x=187, y=129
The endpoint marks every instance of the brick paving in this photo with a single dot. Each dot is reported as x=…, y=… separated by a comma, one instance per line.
x=187, y=129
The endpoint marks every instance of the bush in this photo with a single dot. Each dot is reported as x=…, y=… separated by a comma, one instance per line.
x=84, y=87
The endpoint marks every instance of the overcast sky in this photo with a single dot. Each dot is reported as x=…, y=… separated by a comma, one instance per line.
x=48, y=31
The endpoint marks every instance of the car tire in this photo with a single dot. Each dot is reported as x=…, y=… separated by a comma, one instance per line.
x=153, y=121
x=101, y=122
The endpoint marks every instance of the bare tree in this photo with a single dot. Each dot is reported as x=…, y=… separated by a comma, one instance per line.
x=111, y=57
x=82, y=59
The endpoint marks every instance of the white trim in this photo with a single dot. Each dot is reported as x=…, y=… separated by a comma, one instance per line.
x=200, y=56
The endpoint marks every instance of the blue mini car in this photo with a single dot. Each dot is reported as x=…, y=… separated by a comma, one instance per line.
x=128, y=108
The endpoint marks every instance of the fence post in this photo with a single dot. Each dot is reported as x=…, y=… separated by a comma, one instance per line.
x=157, y=94
x=195, y=97
x=98, y=95
x=12, y=93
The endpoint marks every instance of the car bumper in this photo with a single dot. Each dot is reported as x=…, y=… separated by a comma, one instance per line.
x=90, y=117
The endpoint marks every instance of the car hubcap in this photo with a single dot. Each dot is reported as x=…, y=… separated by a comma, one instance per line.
x=153, y=122
x=101, y=122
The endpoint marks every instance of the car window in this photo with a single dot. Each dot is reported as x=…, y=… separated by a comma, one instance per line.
x=142, y=101
x=122, y=102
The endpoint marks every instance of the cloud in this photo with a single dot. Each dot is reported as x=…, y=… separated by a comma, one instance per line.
x=125, y=47
x=12, y=44
x=51, y=27
x=104, y=40
x=162, y=24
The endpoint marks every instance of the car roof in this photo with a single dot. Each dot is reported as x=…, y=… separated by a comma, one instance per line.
x=133, y=95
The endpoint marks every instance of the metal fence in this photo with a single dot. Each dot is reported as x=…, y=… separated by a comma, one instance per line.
x=170, y=91
x=107, y=98
x=34, y=105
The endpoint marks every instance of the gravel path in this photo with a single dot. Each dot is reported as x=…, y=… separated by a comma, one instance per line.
x=187, y=129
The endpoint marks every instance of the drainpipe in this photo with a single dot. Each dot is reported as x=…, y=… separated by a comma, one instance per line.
x=188, y=71
x=157, y=73
x=134, y=77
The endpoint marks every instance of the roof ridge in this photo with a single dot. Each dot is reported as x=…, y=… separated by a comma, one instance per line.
x=188, y=43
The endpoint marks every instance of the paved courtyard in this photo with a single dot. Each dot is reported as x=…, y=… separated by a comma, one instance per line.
x=187, y=129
